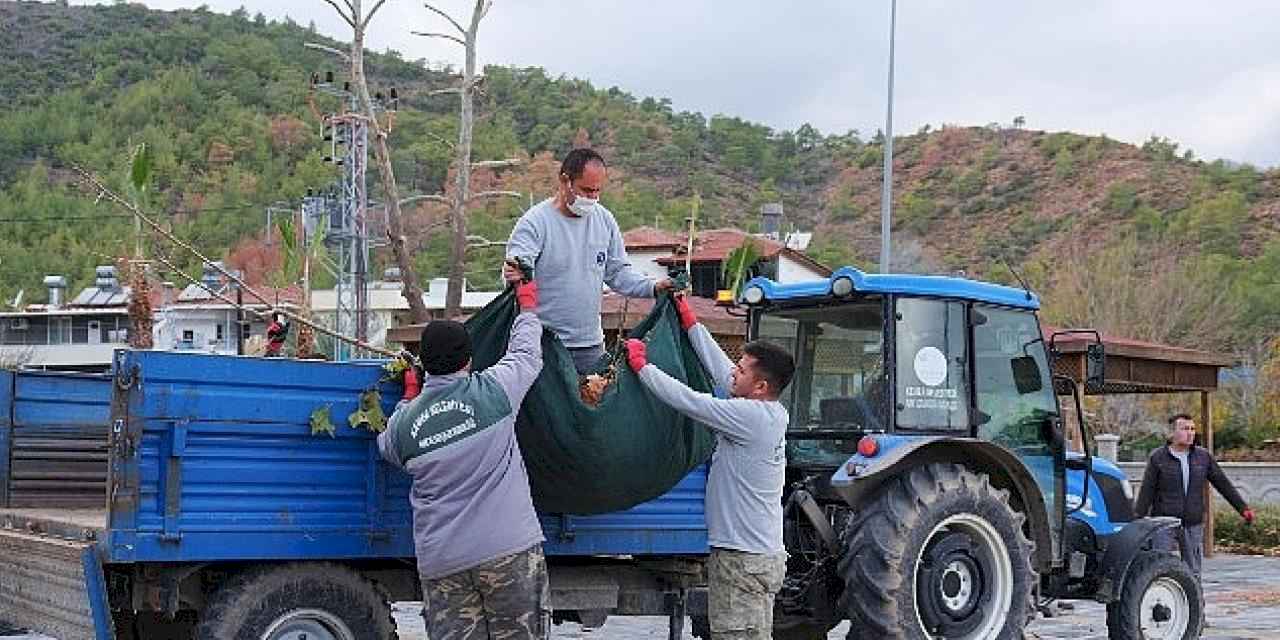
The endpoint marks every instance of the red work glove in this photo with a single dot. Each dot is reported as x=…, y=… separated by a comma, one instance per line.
x=1248, y=516
x=412, y=383
x=635, y=355
x=687, y=319
x=527, y=295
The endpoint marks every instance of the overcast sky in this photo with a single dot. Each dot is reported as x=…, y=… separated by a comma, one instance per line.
x=1206, y=74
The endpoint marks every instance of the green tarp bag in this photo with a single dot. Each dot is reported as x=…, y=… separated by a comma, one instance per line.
x=629, y=448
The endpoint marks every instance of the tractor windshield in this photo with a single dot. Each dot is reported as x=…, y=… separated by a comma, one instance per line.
x=839, y=385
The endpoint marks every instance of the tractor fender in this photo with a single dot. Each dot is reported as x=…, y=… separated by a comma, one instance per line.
x=859, y=478
x=1122, y=548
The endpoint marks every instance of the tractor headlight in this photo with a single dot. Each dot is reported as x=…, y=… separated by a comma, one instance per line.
x=753, y=295
x=842, y=287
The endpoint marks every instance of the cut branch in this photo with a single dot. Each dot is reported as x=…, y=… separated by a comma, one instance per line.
x=446, y=17
x=440, y=139
x=369, y=16
x=432, y=34
x=494, y=194
x=106, y=193
x=342, y=13
x=319, y=47
x=496, y=164
x=438, y=92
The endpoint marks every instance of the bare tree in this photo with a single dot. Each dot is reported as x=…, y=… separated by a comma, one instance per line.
x=462, y=196
x=351, y=11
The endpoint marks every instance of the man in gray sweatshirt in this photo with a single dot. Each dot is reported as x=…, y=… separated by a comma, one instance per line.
x=744, y=487
x=476, y=535
x=575, y=247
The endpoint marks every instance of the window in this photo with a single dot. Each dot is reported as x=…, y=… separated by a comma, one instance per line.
x=59, y=330
x=1013, y=385
x=932, y=367
x=704, y=279
x=839, y=381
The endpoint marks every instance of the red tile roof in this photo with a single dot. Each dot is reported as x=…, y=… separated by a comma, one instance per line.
x=641, y=238
x=714, y=245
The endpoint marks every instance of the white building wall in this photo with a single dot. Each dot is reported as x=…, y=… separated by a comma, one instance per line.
x=790, y=271
x=647, y=262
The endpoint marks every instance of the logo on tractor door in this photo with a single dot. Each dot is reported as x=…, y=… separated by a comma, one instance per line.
x=931, y=366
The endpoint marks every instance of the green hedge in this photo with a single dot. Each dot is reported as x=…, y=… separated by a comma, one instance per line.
x=1262, y=537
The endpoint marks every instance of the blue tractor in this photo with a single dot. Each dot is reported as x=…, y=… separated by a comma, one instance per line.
x=931, y=493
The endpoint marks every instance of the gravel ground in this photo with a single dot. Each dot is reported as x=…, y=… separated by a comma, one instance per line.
x=1242, y=595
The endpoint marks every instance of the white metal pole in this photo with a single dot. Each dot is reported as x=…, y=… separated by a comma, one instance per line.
x=886, y=193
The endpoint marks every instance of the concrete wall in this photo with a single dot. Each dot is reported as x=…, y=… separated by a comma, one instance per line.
x=1258, y=482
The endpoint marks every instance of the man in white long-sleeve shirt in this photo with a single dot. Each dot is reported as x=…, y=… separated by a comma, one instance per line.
x=744, y=488
x=574, y=244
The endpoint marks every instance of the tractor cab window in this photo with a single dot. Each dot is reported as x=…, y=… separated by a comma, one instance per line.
x=932, y=369
x=1014, y=388
x=839, y=382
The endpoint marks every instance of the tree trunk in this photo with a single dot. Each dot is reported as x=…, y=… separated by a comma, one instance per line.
x=409, y=278
x=462, y=186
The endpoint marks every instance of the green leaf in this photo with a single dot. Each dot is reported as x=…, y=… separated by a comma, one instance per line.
x=141, y=167
x=738, y=262
x=320, y=422
x=369, y=414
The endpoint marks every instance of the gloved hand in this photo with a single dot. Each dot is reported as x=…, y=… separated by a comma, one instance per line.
x=527, y=295
x=635, y=354
x=1248, y=516
x=687, y=319
x=412, y=378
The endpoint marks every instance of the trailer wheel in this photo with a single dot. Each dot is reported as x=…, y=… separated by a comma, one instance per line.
x=1160, y=600
x=315, y=601
x=938, y=552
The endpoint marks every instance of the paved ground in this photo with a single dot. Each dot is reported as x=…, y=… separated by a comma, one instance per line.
x=1242, y=594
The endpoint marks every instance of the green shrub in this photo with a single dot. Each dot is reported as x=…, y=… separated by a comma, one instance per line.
x=1231, y=534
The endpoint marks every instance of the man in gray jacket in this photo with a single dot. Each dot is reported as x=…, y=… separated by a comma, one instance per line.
x=476, y=535
x=744, y=487
x=575, y=247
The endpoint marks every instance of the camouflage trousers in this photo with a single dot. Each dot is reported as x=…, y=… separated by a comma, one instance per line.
x=503, y=599
x=740, y=591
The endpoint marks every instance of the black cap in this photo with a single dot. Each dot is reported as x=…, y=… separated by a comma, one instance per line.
x=445, y=347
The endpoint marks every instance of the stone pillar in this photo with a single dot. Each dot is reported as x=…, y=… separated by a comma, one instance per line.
x=1108, y=446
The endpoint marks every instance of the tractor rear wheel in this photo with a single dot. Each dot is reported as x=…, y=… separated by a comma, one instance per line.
x=938, y=552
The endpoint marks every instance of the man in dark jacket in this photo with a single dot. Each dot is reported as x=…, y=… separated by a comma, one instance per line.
x=1173, y=485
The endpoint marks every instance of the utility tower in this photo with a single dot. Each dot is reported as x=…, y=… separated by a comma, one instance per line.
x=351, y=224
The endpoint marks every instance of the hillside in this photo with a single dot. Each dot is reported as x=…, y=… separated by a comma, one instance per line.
x=221, y=101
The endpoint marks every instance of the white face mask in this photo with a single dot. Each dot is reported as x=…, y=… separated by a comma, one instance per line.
x=583, y=206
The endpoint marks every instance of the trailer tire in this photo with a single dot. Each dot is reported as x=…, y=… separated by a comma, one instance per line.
x=938, y=552
x=325, y=601
x=1160, y=599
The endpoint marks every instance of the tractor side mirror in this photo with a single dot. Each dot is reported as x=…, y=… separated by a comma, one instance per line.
x=1095, y=366
x=1026, y=374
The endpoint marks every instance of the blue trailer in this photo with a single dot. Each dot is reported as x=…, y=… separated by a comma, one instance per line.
x=930, y=493
x=153, y=487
